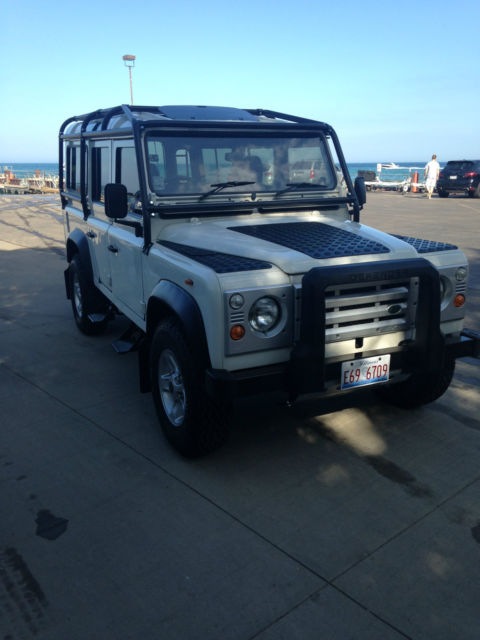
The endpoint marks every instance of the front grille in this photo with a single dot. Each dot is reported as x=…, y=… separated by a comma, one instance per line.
x=358, y=311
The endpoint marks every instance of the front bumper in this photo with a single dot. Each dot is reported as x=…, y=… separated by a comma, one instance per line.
x=454, y=186
x=227, y=384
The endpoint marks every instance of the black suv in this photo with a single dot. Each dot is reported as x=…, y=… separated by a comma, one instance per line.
x=460, y=176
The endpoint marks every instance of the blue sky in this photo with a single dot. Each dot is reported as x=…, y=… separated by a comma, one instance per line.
x=398, y=81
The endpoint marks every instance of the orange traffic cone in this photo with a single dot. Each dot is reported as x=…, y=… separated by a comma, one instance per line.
x=414, y=182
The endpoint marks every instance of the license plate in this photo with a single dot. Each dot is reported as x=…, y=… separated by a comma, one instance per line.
x=364, y=371
x=453, y=177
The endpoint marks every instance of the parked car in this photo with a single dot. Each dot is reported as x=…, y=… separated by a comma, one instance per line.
x=234, y=287
x=307, y=171
x=460, y=176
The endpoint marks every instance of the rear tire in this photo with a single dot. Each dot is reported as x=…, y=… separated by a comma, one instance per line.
x=417, y=391
x=192, y=421
x=442, y=193
x=81, y=293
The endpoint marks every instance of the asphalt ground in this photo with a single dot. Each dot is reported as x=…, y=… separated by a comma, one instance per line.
x=330, y=520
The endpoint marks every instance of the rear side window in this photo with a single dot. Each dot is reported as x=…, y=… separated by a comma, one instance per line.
x=100, y=172
x=73, y=168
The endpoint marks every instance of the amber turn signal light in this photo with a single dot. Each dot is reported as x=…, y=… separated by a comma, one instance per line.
x=237, y=332
x=459, y=300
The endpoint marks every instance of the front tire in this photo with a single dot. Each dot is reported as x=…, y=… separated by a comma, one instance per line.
x=418, y=390
x=192, y=421
x=81, y=293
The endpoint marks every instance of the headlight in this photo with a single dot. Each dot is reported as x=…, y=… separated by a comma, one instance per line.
x=443, y=288
x=461, y=274
x=264, y=314
x=446, y=292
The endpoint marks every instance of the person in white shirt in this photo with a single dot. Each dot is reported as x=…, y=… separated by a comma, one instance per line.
x=432, y=171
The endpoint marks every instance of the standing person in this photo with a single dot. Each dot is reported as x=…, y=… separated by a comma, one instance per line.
x=431, y=173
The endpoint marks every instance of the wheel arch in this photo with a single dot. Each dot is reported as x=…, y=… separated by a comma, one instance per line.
x=77, y=244
x=168, y=299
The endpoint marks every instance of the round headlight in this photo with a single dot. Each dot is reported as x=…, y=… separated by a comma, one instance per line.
x=443, y=288
x=446, y=291
x=460, y=274
x=264, y=314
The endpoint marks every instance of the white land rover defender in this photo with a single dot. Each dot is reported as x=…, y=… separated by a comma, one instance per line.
x=231, y=240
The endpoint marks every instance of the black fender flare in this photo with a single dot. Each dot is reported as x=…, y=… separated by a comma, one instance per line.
x=77, y=245
x=170, y=299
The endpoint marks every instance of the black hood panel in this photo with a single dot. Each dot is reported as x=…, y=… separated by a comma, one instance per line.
x=219, y=262
x=314, y=239
x=427, y=246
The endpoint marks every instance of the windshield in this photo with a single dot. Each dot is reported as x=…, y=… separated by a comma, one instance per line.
x=222, y=166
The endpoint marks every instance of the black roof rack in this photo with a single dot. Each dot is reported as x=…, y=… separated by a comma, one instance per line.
x=184, y=113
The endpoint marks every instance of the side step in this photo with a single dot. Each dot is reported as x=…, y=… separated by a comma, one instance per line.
x=474, y=336
x=97, y=317
x=130, y=340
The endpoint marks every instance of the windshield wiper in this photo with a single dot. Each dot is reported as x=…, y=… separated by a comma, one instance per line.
x=291, y=186
x=223, y=185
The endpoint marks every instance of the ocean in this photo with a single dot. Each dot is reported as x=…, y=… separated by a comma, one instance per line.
x=27, y=169
x=399, y=172
x=403, y=169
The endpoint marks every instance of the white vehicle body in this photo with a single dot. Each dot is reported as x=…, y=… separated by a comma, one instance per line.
x=272, y=282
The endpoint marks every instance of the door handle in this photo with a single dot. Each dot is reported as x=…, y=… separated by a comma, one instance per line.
x=112, y=248
x=90, y=234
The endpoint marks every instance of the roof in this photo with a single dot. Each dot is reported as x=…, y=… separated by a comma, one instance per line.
x=127, y=117
x=190, y=112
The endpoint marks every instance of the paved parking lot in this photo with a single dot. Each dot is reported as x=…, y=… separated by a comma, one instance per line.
x=346, y=519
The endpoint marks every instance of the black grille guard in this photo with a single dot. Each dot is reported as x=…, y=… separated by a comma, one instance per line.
x=426, y=353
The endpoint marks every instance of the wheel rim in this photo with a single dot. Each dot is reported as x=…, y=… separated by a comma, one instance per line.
x=171, y=387
x=77, y=296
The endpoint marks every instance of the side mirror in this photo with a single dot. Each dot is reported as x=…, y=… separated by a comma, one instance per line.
x=116, y=201
x=360, y=190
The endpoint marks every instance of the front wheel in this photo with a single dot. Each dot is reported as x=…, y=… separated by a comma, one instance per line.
x=418, y=389
x=192, y=421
